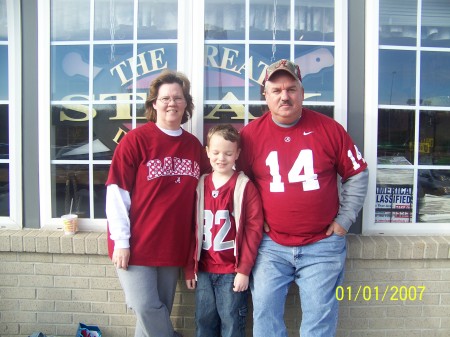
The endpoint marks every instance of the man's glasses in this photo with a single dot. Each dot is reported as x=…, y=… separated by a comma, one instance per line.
x=166, y=100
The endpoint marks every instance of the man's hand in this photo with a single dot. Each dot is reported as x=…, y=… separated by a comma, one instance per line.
x=336, y=228
x=120, y=257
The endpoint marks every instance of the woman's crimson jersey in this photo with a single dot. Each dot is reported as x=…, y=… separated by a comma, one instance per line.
x=295, y=170
x=161, y=173
x=219, y=232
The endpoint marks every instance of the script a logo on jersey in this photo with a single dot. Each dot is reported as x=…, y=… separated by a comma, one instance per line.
x=172, y=167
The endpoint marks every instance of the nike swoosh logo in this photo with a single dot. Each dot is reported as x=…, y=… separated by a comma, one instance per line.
x=307, y=133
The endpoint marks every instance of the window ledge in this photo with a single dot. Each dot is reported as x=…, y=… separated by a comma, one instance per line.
x=95, y=243
x=48, y=241
x=398, y=247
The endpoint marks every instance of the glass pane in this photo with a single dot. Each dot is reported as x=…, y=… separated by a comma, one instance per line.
x=4, y=190
x=113, y=20
x=114, y=70
x=395, y=137
x=224, y=72
x=69, y=132
x=70, y=186
x=4, y=131
x=394, y=195
x=398, y=22
x=70, y=72
x=261, y=56
x=107, y=129
x=323, y=109
x=157, y=19
x=434, y=138
x=225, y=20
x=435, y=78
x=224, y=112
x=317, y=68
x=314, y=20
x=264, y=25
x=100, y=176
x=4, y=91
x=434, y=196
x=435, y=23
x=3, y=21
x=110, y=123
x=70, y=20
x=397, y=77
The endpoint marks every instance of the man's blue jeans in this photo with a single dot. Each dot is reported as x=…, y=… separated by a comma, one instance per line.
x=219, y=311
x=317, y=268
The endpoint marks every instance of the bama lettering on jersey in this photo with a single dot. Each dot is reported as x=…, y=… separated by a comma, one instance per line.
x=172, y=167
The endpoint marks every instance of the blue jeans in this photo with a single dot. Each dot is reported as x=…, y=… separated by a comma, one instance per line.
x=317, y=268
x=219, y=311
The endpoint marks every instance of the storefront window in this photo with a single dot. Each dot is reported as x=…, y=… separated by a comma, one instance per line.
x=413, y=143
x=103, y=56
x=239, y=46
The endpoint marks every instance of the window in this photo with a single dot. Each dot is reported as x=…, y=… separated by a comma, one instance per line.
x=10, y=113
x=242, y=37
x=97, y=58
x=409, y=42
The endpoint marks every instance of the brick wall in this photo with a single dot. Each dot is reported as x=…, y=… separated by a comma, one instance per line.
x=49, y=282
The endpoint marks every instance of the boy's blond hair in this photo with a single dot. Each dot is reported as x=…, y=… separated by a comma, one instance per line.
x=227, y=131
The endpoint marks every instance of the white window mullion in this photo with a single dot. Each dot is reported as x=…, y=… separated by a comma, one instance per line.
x=340, y=61
x=371, y=110
x=198, y=54
x=44, y=112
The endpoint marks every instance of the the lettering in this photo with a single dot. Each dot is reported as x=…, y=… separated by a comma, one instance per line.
x=172, y=167
x=235, y=109
x=225, y=60
x=139, y=66
x=80, y=112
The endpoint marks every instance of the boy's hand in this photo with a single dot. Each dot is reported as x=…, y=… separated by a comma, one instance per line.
x=240, y=282
x=190, y=284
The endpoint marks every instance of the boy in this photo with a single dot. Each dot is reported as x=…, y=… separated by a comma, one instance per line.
x=229, y=226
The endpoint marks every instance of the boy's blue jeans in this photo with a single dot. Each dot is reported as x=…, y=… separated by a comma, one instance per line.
x=219, y=311
x=317, y=268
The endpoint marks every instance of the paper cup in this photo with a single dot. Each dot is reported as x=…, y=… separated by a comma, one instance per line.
x=70, y=222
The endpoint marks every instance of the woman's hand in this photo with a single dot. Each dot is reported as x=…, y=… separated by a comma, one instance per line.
x=120, y=258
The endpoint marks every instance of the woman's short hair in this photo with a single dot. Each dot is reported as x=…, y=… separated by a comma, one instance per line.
x=169, y=77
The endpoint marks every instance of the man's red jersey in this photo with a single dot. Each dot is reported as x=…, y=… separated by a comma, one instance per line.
x=294, y=169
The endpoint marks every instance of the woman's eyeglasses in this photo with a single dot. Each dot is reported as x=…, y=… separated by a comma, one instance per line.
x=166, y=100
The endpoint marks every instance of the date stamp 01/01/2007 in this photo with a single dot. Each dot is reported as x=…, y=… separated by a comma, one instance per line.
x=376, y=293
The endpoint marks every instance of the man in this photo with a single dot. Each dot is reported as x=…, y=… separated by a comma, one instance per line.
x=294, y=155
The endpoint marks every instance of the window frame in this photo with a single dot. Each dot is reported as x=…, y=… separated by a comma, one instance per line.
x=14, y=101
x=371, y=106
x=184, y=59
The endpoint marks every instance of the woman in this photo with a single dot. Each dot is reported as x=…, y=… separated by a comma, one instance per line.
x=150, y=203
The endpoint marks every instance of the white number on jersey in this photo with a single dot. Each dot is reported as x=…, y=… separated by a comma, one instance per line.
x=218, y=243
x=303, y=163
x=359, y=157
